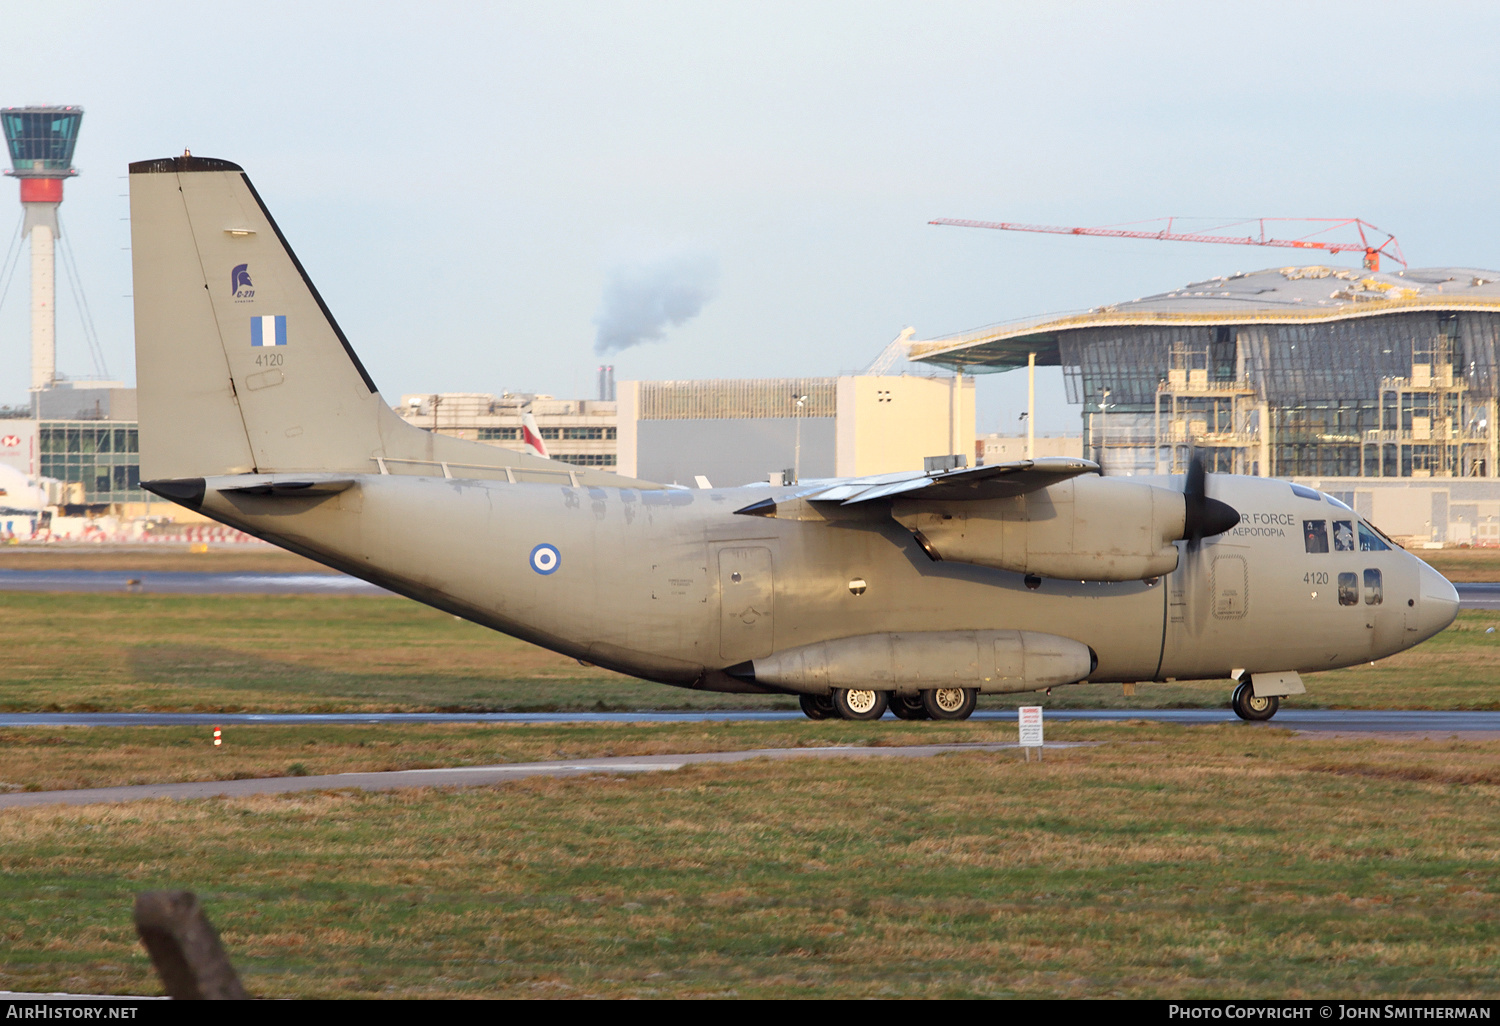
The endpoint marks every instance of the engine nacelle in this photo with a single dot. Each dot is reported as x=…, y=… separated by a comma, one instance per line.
x=992, y=661
x=1084, y=529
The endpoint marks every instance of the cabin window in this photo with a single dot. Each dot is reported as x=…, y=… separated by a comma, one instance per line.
x=1315, y=535
x=1343, y=536
x=1373, y=590
x=1369, y=541
x=1348, y=589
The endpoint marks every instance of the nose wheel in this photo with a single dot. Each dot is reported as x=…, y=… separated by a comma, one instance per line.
x=1249, y=707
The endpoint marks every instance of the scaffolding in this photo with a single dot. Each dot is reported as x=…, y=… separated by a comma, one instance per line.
x=1431, y=423
x=1224, y=417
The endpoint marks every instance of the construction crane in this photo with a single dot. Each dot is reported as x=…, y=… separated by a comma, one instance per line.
x=1133, y=230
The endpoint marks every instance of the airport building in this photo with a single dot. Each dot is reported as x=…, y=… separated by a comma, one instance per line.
x=735, y=431
x=731, y=431
x=84, y=439
x=1295, y=372
x=77, y=434
x=992, y=449
x=582, y=432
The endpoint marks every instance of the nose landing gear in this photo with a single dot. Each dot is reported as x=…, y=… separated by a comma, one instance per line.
x=1247, y=706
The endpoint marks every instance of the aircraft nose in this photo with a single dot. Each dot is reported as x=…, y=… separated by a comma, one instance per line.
x=1437, y=602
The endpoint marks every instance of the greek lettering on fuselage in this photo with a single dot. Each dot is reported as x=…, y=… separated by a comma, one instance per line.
x=1264, y=525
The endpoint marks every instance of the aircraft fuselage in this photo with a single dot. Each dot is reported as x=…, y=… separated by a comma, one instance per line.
x=674, y=586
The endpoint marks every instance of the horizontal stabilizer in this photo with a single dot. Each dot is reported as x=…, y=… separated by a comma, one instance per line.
x=291, y=489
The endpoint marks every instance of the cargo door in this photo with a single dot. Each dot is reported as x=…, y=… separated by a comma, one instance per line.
x=746, y=587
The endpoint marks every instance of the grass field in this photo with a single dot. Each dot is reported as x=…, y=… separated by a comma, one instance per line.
x=1464, y=564
x=53, y=758
x=1232, y=861
x=335, y=653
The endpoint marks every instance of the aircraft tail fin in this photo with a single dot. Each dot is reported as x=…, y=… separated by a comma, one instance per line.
x=241, y=367
x=532, y=435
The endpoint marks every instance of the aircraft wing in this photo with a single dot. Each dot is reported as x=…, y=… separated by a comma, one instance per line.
x=988, y=482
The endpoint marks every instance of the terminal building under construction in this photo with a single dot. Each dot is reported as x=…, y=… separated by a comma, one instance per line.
x=1301, y=372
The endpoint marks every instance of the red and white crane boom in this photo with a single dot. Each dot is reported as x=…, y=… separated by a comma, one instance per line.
x=1133, y=230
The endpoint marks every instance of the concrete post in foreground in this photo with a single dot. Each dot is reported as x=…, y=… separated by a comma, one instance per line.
x=184, y=947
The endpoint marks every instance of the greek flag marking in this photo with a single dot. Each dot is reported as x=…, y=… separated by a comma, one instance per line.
x=268, y=331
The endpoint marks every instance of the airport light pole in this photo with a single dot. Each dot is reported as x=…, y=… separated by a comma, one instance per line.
x=797, y=452
x=1103, y=426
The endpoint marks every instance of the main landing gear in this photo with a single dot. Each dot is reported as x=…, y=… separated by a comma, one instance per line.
x=1247, y=706
x=868, y=704
x=817, y=707
x=908, y=707
x=860, y=703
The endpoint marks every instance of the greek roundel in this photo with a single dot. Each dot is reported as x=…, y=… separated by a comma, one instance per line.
x=545, y=559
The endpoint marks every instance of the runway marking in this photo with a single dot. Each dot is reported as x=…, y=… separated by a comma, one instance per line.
x=477, y=776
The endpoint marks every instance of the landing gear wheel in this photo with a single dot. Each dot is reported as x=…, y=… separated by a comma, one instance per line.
x=859, y=703
x=950, y=703
x=908, y=707
x=817, y=707
x=1248, y=707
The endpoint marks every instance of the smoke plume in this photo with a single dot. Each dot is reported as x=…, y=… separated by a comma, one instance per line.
x=643, y=299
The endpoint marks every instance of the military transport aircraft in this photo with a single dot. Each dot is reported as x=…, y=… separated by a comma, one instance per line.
x=913, y=591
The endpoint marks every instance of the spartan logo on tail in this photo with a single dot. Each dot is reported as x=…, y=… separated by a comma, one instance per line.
x=240, y=286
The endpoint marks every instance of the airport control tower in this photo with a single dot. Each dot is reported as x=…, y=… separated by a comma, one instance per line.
x=41, y=141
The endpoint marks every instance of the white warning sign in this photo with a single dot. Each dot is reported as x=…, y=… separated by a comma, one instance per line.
x=1030, y=718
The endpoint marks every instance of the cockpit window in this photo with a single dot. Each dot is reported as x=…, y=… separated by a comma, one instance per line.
x=1315, y=535
x=1305, y=492
x=1369, y=540
x=1343, y=536
x=1340, y=503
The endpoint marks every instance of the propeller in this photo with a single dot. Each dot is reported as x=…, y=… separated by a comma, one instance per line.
x=1205, y=517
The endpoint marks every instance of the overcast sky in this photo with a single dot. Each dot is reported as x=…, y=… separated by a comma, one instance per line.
x=467, y=182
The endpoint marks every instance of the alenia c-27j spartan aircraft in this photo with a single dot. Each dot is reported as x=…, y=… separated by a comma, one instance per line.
x=910, y=591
